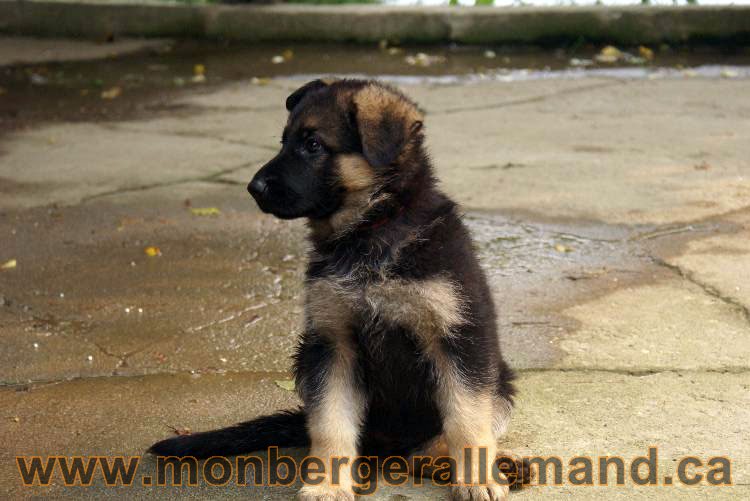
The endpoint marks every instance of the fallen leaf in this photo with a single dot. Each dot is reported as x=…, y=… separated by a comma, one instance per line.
x=181, y=431
x=702, y=166
x=646, y=53
x=260, y=81
x=205, y=211
x=111, y=93
x=16, y=419
x=9, y=264
x=287, y=54
x=277, y=59
x=152, y=251
x=609, y=54
x=490, y=54
x=199, y=69
x=2, y=91
x=285, y=384
x=562, y=248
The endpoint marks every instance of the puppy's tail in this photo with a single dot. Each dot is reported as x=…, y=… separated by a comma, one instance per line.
x=283, y=429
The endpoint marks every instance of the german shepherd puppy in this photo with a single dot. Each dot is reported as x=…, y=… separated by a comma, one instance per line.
x=400, y=353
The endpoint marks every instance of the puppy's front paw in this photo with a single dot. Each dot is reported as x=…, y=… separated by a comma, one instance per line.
x=479, y=492
x=324, y=493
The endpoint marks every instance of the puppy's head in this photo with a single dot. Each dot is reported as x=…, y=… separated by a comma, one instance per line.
x=344, y=142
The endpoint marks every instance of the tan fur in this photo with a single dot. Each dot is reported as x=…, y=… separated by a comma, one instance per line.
x=328, y=307
x=350, y=214
x=431, y=308
x=334, y=423
x=355, y=174
x=468, y=421
x=374, y=101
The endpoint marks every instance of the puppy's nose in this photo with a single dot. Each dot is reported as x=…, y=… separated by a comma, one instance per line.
x=257, y=187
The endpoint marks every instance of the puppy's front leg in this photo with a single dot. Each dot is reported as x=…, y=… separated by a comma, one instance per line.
x=468, y=424
x=335, y=408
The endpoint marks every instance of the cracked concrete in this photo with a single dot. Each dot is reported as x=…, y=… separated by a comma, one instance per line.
x=611, y=216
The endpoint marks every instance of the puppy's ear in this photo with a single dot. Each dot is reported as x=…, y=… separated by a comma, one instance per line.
x=387, y=120
x=295, y=97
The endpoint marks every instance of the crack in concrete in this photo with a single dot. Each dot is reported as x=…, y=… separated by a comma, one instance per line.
x=708, y=289
x=33, y=384
x=40, y=383
x=529, y=100
x=736, y=370
x=210, y=178
x=669, y=230
x=192, y=135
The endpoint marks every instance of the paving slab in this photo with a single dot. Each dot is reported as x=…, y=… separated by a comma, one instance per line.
x=71, y=163
x=673, y=325
x=639, y=158
x=720, y=263
x=222, y=293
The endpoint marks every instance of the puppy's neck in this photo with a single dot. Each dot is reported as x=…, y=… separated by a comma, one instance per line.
x=365, y=211
x=372, y=245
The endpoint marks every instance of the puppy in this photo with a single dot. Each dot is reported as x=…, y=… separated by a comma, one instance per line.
x=400, y=353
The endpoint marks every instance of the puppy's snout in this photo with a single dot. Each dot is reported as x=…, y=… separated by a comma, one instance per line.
x=258, y=187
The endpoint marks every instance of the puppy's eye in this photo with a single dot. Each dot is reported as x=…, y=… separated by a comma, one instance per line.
x=312, y=145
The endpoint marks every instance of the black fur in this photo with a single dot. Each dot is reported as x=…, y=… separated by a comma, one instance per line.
x=283, y=429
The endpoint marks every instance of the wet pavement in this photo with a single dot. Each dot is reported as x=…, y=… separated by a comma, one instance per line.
x=150, y=295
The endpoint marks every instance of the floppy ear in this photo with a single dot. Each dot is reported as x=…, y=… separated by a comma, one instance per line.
x=387, y=120
x=296, y=96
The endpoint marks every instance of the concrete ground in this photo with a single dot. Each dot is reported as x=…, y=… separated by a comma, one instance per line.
x=613, y=217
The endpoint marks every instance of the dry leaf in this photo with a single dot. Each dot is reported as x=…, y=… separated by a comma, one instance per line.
x=199, y=69
x=562, y=248
x=152, y=251
x=205, y=211
x=9, y=264
x=702, y=166
x=181, y=431
x=609, y=54
x=646, y=53
x=111, y=93
x=285, y=384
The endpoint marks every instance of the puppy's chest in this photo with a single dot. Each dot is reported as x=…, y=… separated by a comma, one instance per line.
x=430, y=307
